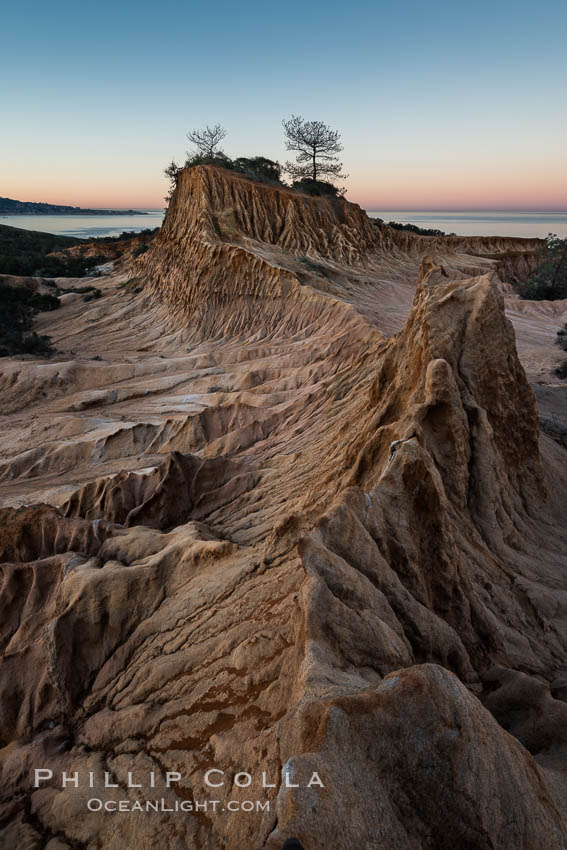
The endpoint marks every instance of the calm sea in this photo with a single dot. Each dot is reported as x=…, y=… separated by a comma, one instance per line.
x=86, y=226
x=465, y=223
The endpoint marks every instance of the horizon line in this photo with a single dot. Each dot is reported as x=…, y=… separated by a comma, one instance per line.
x=374, y=207
x=562, y=210
x=367, y=208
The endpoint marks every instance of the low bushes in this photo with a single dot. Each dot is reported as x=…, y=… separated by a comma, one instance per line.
x=18, y=306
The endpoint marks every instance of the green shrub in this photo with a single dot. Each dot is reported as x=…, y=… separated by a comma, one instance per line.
x=35, y=344
x=219, y=159
x=258, y=168
x=549, y=279
x=96, y=293
x=413, y=228
x=316, y=188
x=18, y=306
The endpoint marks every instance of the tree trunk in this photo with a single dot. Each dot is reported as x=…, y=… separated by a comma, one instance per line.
x=314, y=165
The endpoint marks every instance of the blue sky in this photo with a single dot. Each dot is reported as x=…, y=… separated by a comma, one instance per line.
x=440, y=105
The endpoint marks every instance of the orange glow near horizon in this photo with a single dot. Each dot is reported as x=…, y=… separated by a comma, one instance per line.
x=448, y=188
x=438, y=106
x=102, y=196
x=401, y=186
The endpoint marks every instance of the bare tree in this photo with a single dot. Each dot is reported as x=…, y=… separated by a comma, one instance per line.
x=317, y=146
x=207, y=141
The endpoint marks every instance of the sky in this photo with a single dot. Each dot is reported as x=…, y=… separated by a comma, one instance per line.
x=441, y=105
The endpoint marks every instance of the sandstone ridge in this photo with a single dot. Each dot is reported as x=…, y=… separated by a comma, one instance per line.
x=231, y=250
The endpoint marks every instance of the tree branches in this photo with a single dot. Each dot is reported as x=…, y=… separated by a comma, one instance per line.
x=207, y=140
x=317, y=147
x=315, y=170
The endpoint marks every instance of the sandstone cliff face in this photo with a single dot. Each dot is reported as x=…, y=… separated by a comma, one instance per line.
x=330, y=549
x=247, y=248
x=216, y=235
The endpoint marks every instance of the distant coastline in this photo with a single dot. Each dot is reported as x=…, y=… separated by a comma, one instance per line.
x=86, y=226
x=8, y=206
x=525, y=224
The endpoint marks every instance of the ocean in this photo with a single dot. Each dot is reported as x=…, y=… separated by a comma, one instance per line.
x=488, y=223
x=464, y=223
x=86, y=226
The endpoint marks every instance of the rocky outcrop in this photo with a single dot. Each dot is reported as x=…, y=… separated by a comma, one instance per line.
x=512, y=258
x=348, y=561
x=183, y=487
x=437, y=765
x=213, y=238
x=235, y=255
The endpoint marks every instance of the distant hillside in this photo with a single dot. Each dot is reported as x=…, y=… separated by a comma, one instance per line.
x=25, y=252
x=31, y=253
x=10, y=207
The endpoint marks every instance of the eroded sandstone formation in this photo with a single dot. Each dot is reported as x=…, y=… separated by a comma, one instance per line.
x=298, y=520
